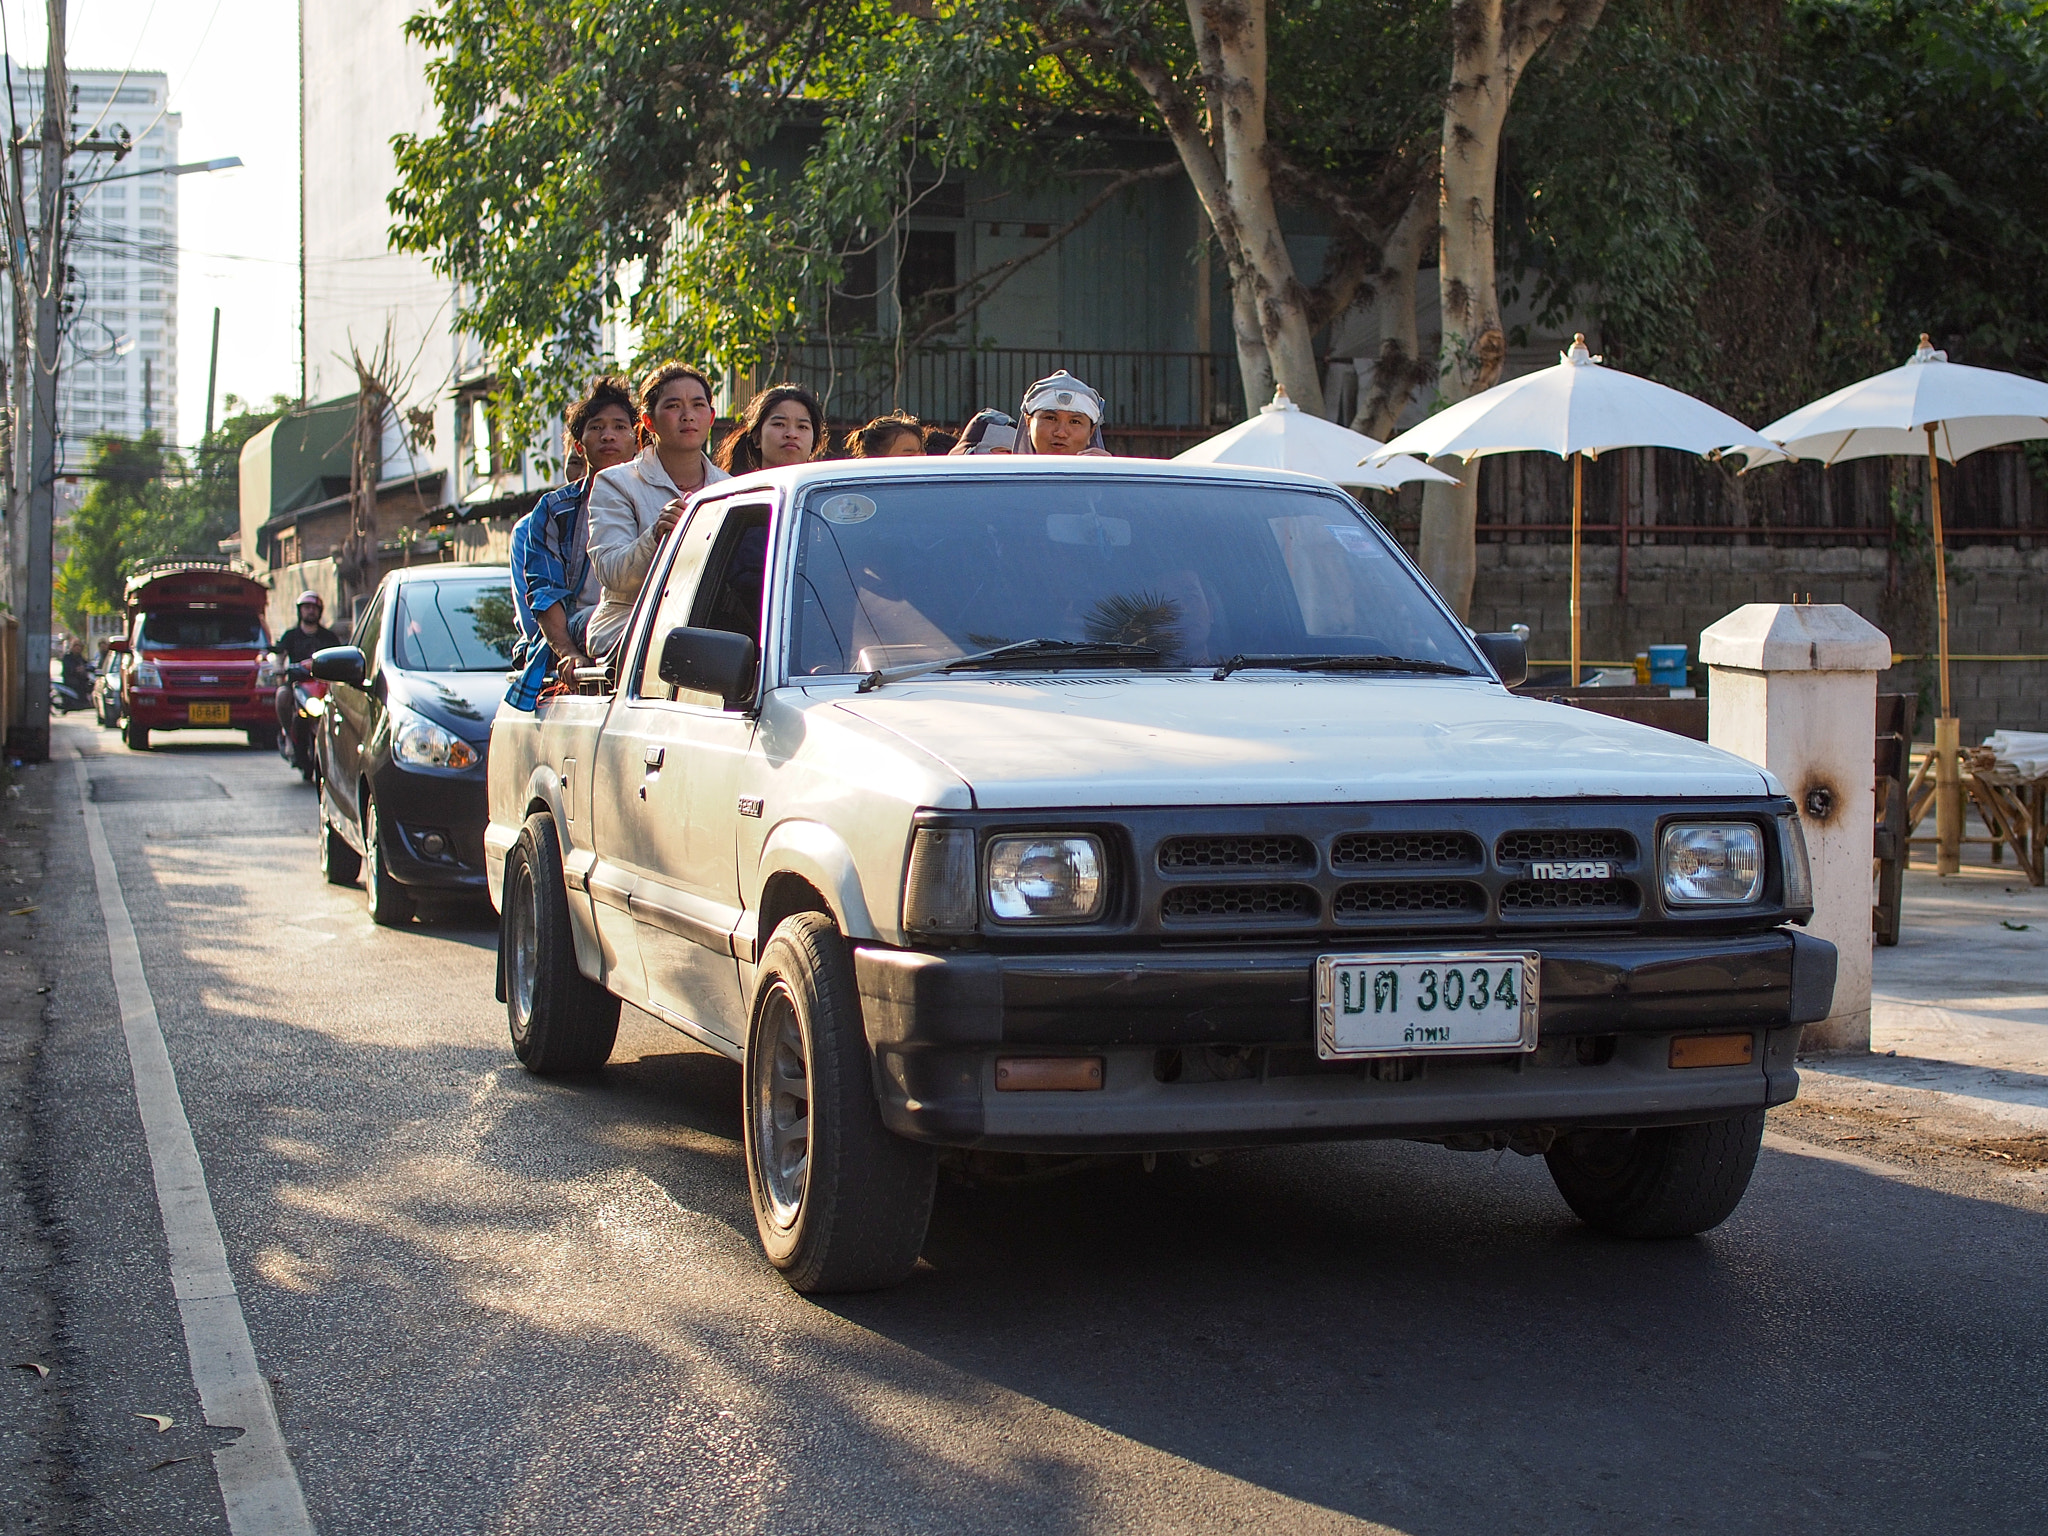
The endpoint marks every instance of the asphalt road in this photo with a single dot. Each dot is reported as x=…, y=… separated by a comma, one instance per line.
x=490, y=1303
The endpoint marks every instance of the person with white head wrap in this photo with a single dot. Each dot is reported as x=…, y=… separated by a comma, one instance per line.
x=1061, y=415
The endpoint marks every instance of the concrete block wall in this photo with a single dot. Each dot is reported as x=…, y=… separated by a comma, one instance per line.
x=1998, y=605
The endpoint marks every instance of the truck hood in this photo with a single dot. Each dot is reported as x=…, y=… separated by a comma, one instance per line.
x=1182, y=739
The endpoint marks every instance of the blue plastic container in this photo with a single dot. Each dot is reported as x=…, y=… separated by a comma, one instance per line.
x=1667, y=666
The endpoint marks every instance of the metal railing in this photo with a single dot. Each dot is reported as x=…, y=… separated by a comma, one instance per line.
x=859, y=380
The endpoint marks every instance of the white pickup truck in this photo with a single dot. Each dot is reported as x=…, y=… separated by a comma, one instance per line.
x=1089, y=805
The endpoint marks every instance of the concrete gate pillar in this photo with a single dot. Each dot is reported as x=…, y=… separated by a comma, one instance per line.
x=1793, y=687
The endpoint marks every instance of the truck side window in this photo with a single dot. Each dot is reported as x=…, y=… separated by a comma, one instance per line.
x=704, y=577
x=731, y=595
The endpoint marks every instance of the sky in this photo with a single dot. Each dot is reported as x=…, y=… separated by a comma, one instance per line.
x=234, y=75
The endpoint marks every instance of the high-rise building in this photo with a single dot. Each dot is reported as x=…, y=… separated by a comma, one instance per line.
x=118, y=371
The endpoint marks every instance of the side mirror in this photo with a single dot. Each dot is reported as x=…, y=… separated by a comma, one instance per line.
x=709, y=661
x=1509, y=655
x=338, y=664
x=119, y=643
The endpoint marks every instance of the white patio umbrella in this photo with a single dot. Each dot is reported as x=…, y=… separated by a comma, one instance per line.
x=1284, y=436
x=1579, y=410
x=1947, y=411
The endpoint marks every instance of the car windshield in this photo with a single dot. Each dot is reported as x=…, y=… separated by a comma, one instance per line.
x=891, y=574
x=457, y=625
x=200, y=630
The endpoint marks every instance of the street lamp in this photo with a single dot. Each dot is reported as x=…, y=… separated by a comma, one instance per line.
x=190, y=167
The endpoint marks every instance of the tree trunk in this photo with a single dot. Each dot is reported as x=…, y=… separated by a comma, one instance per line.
x=1398, y=367
x=356, y=562
x=1492, y=42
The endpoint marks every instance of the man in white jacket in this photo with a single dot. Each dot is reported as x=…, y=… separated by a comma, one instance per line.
x=634, y=505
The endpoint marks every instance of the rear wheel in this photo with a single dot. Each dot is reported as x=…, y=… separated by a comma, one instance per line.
x=840, y=1202
x=1664, y=1181
x=390, y=903
x=339, y=863
x=561, y=1021
x=263, y=738
x=136, y=736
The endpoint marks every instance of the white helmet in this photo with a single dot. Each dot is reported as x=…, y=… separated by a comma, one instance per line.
x=311, y=597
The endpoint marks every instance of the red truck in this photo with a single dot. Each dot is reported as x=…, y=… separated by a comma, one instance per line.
x=195, y=650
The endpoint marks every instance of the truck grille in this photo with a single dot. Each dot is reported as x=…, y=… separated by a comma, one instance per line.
x=1405, y=850
x=1409, y=898
x=1240, y=903
x=1548, y=896
x=1252, y=851
x=1536, y=846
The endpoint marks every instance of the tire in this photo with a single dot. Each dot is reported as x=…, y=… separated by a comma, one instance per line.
x=1664, y=1181
x=391, y=904
x=840, y=1202
x=561, y=1021
x=136, y=736
x=339, y=863
x=263, y=740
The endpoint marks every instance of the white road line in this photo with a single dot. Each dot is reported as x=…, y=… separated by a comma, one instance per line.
x=257, y=1480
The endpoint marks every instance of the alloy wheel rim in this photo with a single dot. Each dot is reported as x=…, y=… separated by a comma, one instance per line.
x=782, y=1107
x=525, y=947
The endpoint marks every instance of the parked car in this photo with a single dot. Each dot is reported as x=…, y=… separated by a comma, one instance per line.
x=194, y=647
x=407, y=723
x=106, y=689
x=1082, y=806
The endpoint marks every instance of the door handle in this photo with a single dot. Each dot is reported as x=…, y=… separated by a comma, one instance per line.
x=653, y=758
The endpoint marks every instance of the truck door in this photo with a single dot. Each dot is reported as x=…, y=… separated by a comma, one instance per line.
x=681, y=753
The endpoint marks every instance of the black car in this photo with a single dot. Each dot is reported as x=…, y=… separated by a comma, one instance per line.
x=408, y=726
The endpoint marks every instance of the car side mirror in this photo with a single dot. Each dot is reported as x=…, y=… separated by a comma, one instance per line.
x=119, y=643
x=1509, y=655
x=709, y=661
x=339, y=664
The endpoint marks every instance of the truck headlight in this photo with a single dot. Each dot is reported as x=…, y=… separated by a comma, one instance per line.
x=938, y=886
x=426, y=745
x=1712, y=864
x=147, y=675
x=269, y=672
x=1046, y=879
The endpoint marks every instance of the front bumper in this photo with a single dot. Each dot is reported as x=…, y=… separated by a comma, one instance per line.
x=169, y=711
x=1203, y=1048
x=415, y=806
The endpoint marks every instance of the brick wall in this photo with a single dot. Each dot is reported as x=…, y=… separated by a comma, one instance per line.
x=1998, y=605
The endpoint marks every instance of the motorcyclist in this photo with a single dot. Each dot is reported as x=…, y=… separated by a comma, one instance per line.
x=72, y=670
x=294, y=646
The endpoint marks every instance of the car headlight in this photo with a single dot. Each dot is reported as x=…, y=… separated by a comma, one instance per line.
x=1046, y=879
x=426, y=745
x=1712, y=864
x=147, y=675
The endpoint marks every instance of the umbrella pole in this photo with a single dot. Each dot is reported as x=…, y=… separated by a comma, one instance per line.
x=1948, y=734
x=1578, y=496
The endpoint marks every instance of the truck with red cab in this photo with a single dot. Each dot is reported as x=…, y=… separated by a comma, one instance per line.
x=194, y=653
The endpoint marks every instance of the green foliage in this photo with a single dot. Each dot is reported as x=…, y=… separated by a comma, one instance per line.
x=1763, y=202
x=147, y=505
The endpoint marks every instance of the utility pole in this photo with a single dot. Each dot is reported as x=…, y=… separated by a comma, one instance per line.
x=32, y=743
x=148, y=394
x=212, y=374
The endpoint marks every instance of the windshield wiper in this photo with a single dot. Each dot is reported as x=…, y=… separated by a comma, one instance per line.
x=1020, y=650
x=1340, y=663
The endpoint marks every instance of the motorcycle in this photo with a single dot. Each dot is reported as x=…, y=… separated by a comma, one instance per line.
x=309, y=695
x=64, y=698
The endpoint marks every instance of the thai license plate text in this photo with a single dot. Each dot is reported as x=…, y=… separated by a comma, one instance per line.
x=1413, y=1005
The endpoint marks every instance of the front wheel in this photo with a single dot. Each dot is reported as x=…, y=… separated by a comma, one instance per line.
x=136, y=736
x=561, y=1021
x=1663, y=1181
x=339, y=863
x=390, y=903
x=841, y=1203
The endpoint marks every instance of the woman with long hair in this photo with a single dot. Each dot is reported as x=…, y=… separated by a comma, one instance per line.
x=780, y=426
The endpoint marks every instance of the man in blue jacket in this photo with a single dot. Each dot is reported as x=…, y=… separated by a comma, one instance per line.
x=554, y=588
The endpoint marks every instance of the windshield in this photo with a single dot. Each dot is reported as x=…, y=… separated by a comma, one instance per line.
x=894, y=574
x=200, y=630
x=465, y=625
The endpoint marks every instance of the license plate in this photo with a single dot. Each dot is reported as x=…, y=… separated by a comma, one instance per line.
x=207, y=714
x=1425, y=1005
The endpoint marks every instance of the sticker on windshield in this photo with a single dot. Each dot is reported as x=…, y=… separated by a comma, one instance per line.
x=847, y=507
x=1354, y=540
x=1088, y=528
